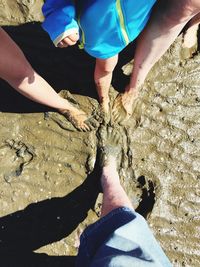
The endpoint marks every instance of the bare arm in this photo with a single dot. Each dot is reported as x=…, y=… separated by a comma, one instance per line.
x=16, y=70
x=164, y=26
x=166, y=22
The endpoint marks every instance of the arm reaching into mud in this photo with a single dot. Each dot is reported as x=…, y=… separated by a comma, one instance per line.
x=162, y=29
x=16, y=70
x=190, y=38
x=60, y=22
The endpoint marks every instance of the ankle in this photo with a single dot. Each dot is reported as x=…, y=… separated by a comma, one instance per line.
x=104, y=100
x=110, y=179
x=109, y=163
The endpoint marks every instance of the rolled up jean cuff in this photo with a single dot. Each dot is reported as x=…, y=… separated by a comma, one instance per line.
x=121, y=238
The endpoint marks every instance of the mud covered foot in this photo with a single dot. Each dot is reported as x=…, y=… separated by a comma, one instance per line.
x=79, y=119
x=190, y=42
x=109, y=145
x=124, y=106
x=105, y=111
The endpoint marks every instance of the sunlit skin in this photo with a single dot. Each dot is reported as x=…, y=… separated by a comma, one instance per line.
x=163, y=27
x=26, y=81
x=190, y=40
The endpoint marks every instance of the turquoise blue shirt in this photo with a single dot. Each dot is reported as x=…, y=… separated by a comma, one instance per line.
x=105, y=26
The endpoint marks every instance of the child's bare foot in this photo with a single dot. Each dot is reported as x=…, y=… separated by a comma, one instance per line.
x=190, y=42
x=79, y=119
x=105, y=111
x=110, y=145
x=123, y=106
x=105, y=105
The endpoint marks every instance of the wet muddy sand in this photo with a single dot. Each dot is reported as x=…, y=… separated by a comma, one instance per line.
x=46, y=200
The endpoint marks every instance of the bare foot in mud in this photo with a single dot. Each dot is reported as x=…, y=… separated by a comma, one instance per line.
x=124, y=106
x=109, y=145
x=79, y=119
x=190, y=42
x=105, y=111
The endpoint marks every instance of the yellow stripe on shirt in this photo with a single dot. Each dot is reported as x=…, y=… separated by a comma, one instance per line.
x=81, y=45
x=121, y=20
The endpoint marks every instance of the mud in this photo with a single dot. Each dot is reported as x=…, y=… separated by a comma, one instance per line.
x=46, y=200
x=21, y=11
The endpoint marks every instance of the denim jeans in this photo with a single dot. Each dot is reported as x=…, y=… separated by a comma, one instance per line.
x=120, y=239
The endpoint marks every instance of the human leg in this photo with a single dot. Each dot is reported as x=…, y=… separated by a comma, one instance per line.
x=121, y=237
x=114, y=195
x=103, y=76
x=162, y=29
x=16, y=70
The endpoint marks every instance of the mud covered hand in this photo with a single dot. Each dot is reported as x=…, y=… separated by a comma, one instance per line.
x=69, y=40
x=80, y=120
x=190, y=41
x=123, y=106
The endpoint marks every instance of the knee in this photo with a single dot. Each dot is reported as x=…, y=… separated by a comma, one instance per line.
x=106, y=66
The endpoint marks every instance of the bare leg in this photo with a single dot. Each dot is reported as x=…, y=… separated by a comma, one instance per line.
x=166, y=22
x=195, y=20
x=103, y=76
x=15, y=69
x=114, y=195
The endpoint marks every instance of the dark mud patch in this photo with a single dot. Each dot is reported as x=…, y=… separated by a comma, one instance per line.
x=147, y=202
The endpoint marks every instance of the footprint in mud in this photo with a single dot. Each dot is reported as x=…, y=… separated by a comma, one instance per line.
x=15, y=156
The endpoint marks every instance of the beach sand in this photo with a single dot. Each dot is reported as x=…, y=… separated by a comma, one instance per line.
x=46, y=200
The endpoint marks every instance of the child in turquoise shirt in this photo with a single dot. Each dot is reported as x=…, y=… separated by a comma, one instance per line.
x=107, y=26
x=103, y=27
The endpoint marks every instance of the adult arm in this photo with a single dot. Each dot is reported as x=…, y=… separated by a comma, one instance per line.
x=16, y=70
x=166, y=22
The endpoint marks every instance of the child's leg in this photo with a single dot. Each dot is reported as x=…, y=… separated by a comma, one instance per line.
x=103, y=76
x=16, y=70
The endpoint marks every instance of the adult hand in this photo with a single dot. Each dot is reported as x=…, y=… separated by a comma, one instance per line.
x=123, y=106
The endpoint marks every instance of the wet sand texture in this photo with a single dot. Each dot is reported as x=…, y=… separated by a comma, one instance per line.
x=44, y=193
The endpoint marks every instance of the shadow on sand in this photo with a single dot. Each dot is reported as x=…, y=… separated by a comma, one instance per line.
x=70, y=68
x=45, y=222
x=37, y=225
x=48, y=221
